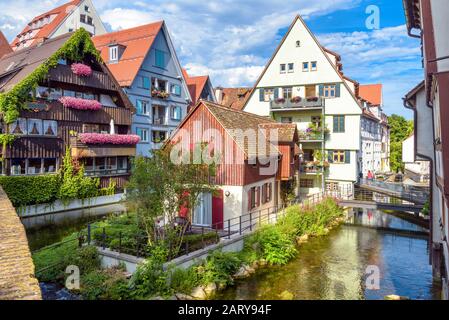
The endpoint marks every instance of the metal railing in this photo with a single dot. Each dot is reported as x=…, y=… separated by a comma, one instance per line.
x=303, y=104
x=409, y=193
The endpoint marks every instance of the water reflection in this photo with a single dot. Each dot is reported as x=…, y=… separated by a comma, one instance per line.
x=334, y=267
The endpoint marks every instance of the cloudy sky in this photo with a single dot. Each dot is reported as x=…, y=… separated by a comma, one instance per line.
x=232, y=40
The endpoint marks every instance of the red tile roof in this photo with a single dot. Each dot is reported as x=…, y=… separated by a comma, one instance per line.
x=196, y=85
x=235, y=98
x=4, y=45
x=371, y=93
x=136, y=42
x=45, y=31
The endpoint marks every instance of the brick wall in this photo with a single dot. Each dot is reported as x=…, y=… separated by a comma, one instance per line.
x=17, y=281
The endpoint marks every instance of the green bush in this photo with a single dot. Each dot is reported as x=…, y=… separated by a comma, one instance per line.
x=109, y=284
x=218, y=268
x=184, y=280
x=29, y=190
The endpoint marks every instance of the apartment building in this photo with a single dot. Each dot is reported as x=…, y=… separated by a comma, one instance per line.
x=303, y=84
x=144, y=62
x=77, y=105
x=63, y=19
x=427, y=20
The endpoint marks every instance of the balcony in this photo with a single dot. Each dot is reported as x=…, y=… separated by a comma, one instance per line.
x=314, y=103
x=311, y=168
x=161, y=121
x=98, y=80
x=311, y=136
x=81, y=149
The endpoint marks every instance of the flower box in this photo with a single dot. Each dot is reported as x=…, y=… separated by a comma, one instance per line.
x=312, y=99
x=159, y=94
x=279, y=101
x=296, y=100
x=102, y=138
x=81, y=69
x=80, y=104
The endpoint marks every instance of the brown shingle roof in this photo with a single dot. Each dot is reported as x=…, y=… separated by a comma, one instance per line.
x=136, y=42
x=61, y=13
x=235, y=98
x=287, y=132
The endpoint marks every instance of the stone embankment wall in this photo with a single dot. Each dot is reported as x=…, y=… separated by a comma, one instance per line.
x=17, y=280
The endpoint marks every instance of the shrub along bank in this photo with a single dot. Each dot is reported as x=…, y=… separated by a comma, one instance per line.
x=270, y=245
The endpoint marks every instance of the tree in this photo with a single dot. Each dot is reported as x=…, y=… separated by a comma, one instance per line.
x=400, y=129
x=159, y=189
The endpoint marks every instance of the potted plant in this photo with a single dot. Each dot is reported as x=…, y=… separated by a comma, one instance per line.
x=296, y=100
x=279, y=101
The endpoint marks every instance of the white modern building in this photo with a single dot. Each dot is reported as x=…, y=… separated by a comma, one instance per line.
x=418, y=170
x=303, y=84
x=61, y=20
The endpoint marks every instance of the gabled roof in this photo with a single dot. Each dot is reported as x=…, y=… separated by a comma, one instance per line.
x=231, y=120
x=196, y=85
x=235, y=98
x=16, y=66
x=371, y=93
x=323, y=50
x=60, y=14
x=136, y=42
x=4, y=45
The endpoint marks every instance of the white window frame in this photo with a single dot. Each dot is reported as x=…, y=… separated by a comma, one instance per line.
x=284, y=67
x=144, y=139
x=303, y=67
x=292, y=69
x=113, y=53
x=311, y=66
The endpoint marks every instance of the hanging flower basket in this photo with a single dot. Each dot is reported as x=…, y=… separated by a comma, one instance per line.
x=102, y=138
x=80, y=104
x=81, y=69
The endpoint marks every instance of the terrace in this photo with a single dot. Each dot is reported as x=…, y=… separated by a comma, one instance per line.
x=297, y=103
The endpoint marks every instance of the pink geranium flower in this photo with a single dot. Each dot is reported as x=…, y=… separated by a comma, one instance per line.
x=80, y=104
x=81, y=69
x=102, y=138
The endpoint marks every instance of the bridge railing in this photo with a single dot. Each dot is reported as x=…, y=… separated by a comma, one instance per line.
x=409, y=193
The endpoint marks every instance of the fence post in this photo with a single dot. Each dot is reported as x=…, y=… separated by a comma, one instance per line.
x=240, y=225
x=229, y=229
x=250, y=221
x=104, y=238
x=88, y=234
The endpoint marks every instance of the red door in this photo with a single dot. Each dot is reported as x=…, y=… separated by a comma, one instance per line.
x=217, y=210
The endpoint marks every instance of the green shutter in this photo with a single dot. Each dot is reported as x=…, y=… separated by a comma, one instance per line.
x=261, y=94
x=336, y=124
x=330, y=156
x=321, y=90
x=160, y=59
x=276, y=93
x=342, y=123
x=347, y=156
x=337, y=90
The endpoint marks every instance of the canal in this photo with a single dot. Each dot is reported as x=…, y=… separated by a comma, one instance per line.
x=335, y=266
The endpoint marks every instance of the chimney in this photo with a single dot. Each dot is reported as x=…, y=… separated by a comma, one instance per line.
x=219, y=94
x=5, y=48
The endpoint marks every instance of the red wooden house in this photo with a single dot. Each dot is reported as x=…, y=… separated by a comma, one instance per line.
x=255, y=155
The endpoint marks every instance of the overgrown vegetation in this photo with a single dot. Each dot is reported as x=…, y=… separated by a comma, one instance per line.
x=68, y=184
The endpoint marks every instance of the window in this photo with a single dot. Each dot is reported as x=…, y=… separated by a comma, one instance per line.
x=287, y=93
x=291, y=67
x=122, y=164
x=18, y=167
x=316, y=120
x=306, y=183
x=34, y=166
x=159, y=136
x=35, y=127
x=305, y=66
x=339, y=156
x=143, y=134
x=146, y=84
x=160, y=59
x=83, y=18
x=19, y=126
x=266, y=193
x=252, y=198
x=313, y=65
x=50, y=128
x=283, y=68
x=286, y=120
x=142, y=107
x=176, y=113
x=330, y=91
x=89, y=164
x=268, y=94
x=111, y=163
x=49, y=165
x=113, y=53
x=159, y=84
x=43, y=93
x=298, y=43
x=86, y=8
x=175, y=89
x=339, y=124
x=90, y=21
x=55, y=93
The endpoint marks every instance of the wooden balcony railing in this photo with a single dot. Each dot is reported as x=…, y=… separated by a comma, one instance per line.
x=99, y=80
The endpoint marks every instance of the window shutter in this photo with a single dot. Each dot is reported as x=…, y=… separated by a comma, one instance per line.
x=261, y=94
x=336, y=124
x=330, y=156
x=321, y=90
x=258, y=197
x=337, y=90
x=347, y=156
x=264, y=193
x=249, y=200
x=276, y=93
x=270, y=192
x=342, y=123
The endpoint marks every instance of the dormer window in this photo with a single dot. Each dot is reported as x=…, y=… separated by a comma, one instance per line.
x=113, y=54
x=86, y=8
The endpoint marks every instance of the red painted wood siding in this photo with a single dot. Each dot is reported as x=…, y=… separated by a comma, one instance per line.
x=218, y=210
x=231, y=171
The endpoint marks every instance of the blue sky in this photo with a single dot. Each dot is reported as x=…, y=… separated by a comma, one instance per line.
x=233, y=39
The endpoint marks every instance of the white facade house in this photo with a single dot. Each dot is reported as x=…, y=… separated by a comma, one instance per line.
x=303, y=84
x=419, y=170
x=61, y=20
